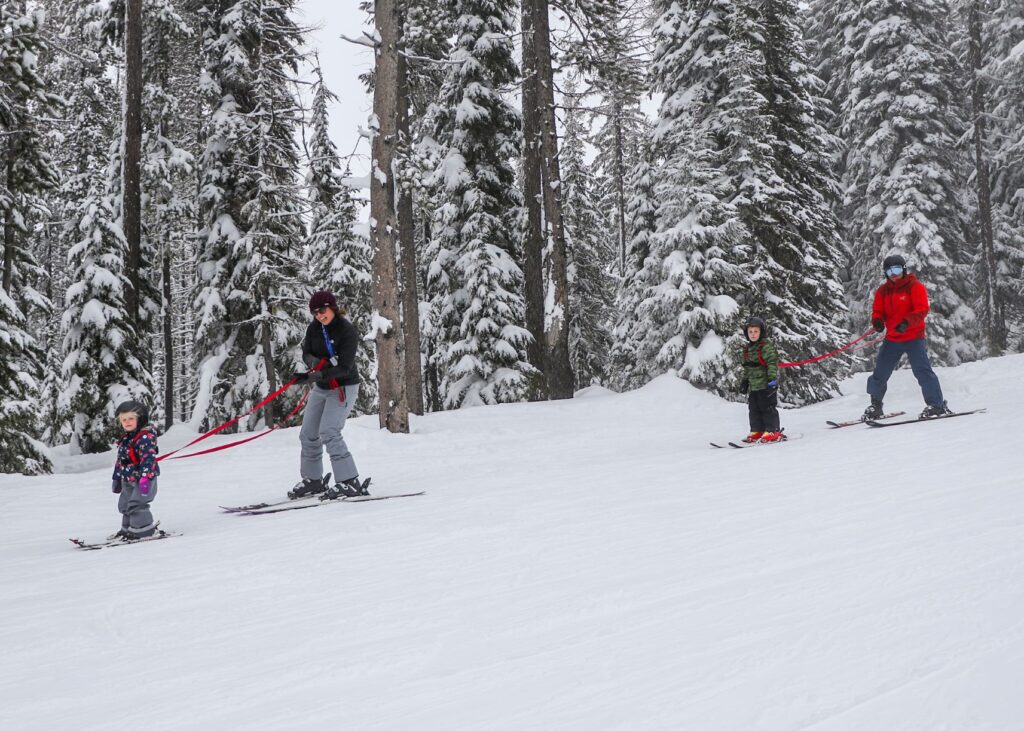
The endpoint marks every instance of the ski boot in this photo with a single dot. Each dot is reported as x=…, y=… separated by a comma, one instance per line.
x=753, y=437
x=874, y=411
x=305, y=488
x=349, y=488
x=933, y=411
x=772, y=436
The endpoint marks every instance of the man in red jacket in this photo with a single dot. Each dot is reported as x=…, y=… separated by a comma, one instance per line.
x=901, y=304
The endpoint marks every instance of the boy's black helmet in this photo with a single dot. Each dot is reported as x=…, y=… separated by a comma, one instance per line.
x=755, y=321
x=133, y=407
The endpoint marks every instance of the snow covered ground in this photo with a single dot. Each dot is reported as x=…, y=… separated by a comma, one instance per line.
x=580, y=565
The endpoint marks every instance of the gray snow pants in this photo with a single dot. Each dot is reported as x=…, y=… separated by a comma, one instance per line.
x=321, y=429
x=134, y=506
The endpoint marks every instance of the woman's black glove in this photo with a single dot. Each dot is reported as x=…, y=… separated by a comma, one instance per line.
x=300, y=376
x=744, y=386
x=902, y=327
x=879, y=325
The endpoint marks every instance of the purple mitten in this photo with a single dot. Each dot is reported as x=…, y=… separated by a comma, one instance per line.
x=144, y=486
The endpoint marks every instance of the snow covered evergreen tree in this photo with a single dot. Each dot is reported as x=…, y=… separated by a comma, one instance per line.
x=591, y=255
x=486, y=353
x=1003, y=54
x=627, y=371
x=622, y=83
x=105, y=358
x=27, y=172
x=743, y=219
x=169, y=112
x=101, y=367
x=785, y=202
x=338, y=258
x=894, y=81
x=250, y=298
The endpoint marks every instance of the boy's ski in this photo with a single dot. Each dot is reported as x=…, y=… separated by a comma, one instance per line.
x=745, y=445
x=862, y=420
x=919, y=419
x=159, y=535
x=360, y=499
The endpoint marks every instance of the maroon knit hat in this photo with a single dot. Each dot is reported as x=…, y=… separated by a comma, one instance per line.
x=322, y=299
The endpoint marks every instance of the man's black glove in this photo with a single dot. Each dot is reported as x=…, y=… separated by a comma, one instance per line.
x=115, y=486
x=300, y=376
x=744, y=386
x=879, y=325
x=902, y=327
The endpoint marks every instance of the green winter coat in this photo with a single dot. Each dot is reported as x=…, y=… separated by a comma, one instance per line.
x=751, y=369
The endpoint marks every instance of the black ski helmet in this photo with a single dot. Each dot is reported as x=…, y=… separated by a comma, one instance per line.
x=133, y=407
x=754, y=321
x=894, y=260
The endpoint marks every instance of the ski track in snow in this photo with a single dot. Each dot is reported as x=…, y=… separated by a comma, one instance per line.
x=575, y=565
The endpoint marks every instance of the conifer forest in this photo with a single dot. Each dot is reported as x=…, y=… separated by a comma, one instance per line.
x=545, y=195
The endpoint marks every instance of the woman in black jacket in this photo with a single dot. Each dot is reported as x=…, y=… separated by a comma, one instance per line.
x=331, y=342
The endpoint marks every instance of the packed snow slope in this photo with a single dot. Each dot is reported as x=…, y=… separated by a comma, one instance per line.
x=590, y=564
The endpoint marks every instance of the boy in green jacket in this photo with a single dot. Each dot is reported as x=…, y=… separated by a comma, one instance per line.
x=760, y=381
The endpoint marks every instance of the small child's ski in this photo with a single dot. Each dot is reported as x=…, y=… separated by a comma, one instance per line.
x=359, y=499
x=862, y=420
x=744, y=445
x=159, y=535
x=927, y=418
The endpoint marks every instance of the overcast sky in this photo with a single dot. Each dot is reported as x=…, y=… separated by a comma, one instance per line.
x=342, y=64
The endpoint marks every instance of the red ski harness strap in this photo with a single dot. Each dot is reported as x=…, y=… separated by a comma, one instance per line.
x=760, y=358
x=226, y=424
x=131, y=447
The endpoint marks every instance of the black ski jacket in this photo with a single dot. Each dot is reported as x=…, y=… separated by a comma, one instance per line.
x=345, y=341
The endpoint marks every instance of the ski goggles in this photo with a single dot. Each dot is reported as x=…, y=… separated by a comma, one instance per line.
x=894, y=271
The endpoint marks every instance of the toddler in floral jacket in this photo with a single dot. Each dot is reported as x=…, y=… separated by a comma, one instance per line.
x=135, y=472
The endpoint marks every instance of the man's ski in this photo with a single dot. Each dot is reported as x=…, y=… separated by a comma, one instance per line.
x=745, y=445
x=862, y=420
x=919, y=419
x=359, y=499
x=159, y=535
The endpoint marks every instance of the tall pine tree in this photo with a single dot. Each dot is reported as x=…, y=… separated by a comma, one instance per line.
x=485, y=354
x=338, y=258
x=743, y=220
x=250, y=294
x=27, y=172
x=893, y=78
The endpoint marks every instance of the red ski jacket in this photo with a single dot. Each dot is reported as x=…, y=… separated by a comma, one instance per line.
x=895, y=302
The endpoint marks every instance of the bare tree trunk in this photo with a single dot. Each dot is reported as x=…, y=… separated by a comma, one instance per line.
x=407, y=244
x=10, y=233
x=132, y=183
x=533, y=245
x=394, y=407
x=270, y=415
x=559, y=368
x=620, y=192
x=992, y=319
x=168, y=340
